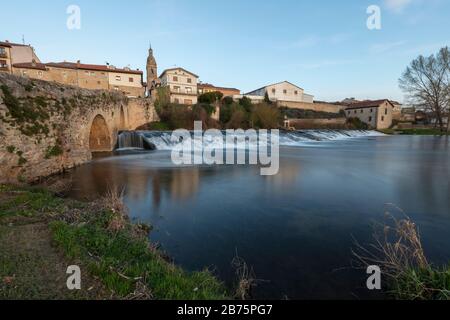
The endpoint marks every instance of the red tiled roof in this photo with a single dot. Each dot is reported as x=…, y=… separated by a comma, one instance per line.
x=92, y=67
x=30, y=65
x=5, y=44
x=367, y=104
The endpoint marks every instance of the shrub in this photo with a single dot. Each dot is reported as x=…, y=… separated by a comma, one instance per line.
x=265, y=116
x=210, y=97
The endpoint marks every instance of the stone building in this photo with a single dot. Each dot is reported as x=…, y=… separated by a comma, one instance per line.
x=182, y=85
x=12, y=53
x=86, y=76
x=152, y=73
x=284, y=93
x=377, y=114
x=207, y=87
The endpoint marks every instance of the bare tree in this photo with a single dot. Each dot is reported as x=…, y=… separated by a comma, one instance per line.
x=426, y=83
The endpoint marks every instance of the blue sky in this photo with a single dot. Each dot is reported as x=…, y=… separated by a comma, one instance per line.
x=323, y=46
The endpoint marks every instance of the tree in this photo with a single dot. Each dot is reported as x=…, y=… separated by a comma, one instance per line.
x=210, y=97
x=426, y=82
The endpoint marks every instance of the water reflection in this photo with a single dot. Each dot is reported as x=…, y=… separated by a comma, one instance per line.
x=296, y=228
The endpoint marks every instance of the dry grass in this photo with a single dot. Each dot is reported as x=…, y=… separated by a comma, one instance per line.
x=398, y=251
x=245, y=276
x=113, y=200
x=397, y=246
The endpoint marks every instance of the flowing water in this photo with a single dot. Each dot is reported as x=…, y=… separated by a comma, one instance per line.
x=296, y=229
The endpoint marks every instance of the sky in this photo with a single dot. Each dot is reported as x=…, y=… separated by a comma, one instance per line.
x=323, y=46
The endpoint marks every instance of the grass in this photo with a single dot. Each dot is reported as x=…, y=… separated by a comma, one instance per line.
x=115, y=254
x=398, y=250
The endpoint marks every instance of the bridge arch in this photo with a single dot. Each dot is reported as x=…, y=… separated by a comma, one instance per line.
x=100, y=136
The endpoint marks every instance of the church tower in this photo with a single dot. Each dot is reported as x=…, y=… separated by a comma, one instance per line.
x=152, y=71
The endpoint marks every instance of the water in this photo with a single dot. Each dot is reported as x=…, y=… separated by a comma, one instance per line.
x=295, y=229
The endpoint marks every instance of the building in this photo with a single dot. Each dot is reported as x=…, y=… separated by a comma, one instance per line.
x=182, y=85
x=87, y=76
x=207, y=87
x=377, y=114
x=152, y=73
x=12, y=53
x=284, y=94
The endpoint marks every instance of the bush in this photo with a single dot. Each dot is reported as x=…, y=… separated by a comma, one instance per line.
x=210, y=97
x=265, y=116
x=357, y=124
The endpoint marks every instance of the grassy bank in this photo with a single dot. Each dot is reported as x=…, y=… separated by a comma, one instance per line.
x=41, y=235
x=421, y=132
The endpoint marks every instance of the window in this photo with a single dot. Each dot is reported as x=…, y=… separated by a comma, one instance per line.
x=116, y=88
x=175, y=78
x=92, y=74
x=187, y=101
x=188, y=90
x=24, y=73
x=382, y=118
x=189, y=80
x=176, y=89
x=118, y=78
x=371, y=110
x=348, y=112
x=285, y=91
x=176, y=100
x=131, y=79
x=355, y=111
x=274, y=91
x=370, y=119
x=98, y=82
x=385, y=111
x=2, y=51
x=40, y=74
x=3, y=63
x=362, y=110
x=295, y=92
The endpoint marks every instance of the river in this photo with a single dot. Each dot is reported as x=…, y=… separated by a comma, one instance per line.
x=296, y=229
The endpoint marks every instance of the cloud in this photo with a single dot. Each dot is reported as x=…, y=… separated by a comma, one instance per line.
x=397, y=6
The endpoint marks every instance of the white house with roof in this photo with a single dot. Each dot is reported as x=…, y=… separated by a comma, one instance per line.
x=182, y=85
x=283, y=92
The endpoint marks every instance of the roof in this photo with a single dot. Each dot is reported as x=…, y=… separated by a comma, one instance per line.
x=368, y=104
x=208, y=85
x=92, y=67
x=274, y=84
x=178, y=68
x=12, y=44
x=30, y=65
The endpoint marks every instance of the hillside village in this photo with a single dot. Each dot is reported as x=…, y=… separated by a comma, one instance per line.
x=185, y=87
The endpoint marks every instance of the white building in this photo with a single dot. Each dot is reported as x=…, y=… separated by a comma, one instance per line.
x=182, y=84
x=283, y=93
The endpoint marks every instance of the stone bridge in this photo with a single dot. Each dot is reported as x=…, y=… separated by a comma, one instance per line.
x=46, y=128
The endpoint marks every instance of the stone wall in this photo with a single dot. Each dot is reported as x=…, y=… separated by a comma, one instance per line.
x=316, y=106
x=338, y=123
x=46, y=128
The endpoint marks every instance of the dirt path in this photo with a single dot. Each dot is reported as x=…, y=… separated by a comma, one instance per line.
x=32, y=268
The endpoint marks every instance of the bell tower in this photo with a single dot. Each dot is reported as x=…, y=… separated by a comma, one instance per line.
x=152, y=70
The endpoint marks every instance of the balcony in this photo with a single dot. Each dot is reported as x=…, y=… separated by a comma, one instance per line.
x=4, y=67
x=3, y=55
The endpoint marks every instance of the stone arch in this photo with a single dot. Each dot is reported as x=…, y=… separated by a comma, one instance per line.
x=99, y=137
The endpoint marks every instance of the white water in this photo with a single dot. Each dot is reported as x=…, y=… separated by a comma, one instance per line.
x=164, y=141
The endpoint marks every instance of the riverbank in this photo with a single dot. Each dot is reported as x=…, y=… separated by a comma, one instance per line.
x=415, y=132
x=41, y=235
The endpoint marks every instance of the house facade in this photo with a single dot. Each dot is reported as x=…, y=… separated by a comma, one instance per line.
x=284, y=93
x=87, y=76
x=182, y=85
x=207, y=87
x=377, y=114
x=14, y=53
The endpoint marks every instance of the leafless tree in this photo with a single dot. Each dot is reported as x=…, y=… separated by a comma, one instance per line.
x=426, y=83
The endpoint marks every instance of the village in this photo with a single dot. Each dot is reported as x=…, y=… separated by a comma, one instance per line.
x=185, y=88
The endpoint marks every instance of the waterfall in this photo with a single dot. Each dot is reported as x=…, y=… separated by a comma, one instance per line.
x=133, y=140
x=162, y=140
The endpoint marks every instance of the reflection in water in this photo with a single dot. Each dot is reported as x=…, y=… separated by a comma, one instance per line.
x=295, y=229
